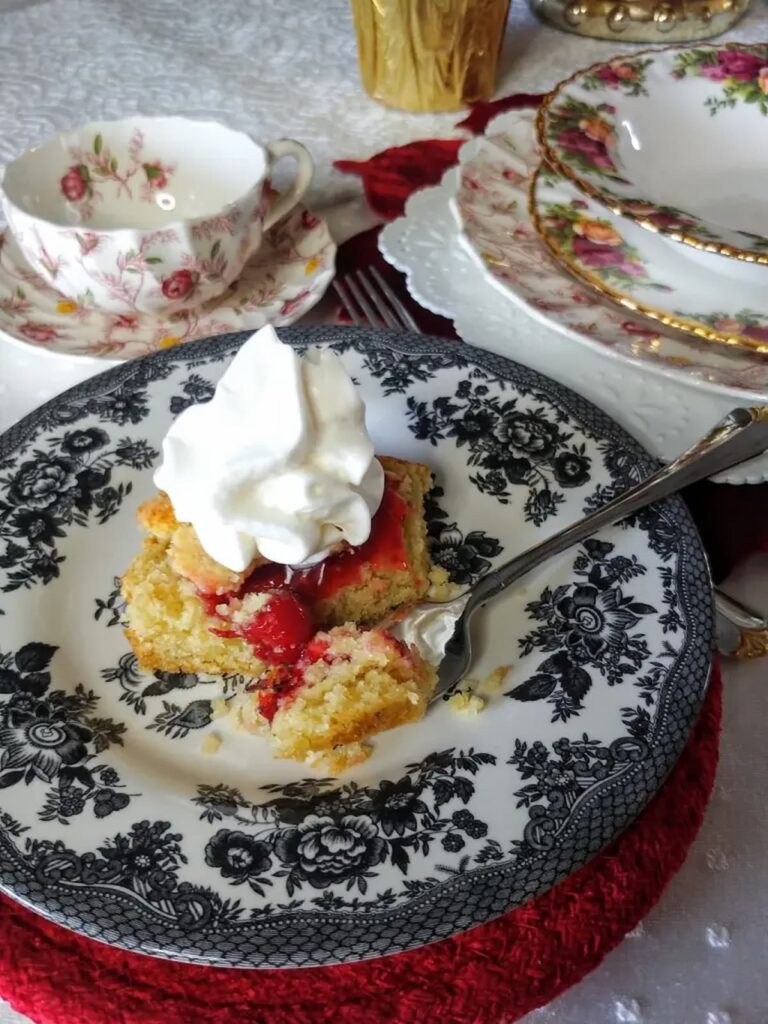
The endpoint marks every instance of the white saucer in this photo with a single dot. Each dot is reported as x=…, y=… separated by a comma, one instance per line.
x=285, y=278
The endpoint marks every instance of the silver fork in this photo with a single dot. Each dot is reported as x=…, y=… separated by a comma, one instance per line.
x=368, y=299
x=440, y=630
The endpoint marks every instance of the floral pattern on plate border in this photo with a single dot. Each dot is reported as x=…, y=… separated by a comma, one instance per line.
x=578, y=138
x=491, y=208
x=343, y=847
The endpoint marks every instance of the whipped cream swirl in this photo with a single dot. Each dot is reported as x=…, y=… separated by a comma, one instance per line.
x=278, y=463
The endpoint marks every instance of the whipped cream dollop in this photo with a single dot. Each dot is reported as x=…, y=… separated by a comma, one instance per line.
x=278, y=463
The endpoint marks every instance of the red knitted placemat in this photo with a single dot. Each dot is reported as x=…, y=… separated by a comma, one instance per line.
x=493, y=974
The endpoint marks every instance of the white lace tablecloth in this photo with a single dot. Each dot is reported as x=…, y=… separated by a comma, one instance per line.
x=273, y=68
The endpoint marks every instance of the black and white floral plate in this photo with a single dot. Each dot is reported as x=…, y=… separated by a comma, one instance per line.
x=115, y=823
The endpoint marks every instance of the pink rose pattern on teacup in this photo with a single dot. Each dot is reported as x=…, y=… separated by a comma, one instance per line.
x=43, y=334
x=180, y=284
x=624, y=74
x=582, y=135
x=742, y=72
x=298, y=265
x=95, y=169
x=159, y=267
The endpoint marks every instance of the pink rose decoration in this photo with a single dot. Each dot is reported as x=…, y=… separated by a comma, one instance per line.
x=74, y=184
x=41, y=333
x=156, y=176
x=603, y=256
x=608, y=75
x=713, y=72
x=180, y=284
x=577, y=141
x=667, y=220
x=757, y=333
x=741, y=66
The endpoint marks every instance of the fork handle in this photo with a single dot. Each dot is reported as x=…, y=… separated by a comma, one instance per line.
x=741, y=435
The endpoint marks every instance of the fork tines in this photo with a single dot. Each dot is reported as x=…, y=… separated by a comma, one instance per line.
x=368, y=299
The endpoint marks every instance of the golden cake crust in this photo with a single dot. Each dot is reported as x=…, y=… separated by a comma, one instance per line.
x=167, y=625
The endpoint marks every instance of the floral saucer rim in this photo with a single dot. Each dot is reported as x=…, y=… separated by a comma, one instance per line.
x=688, y=325
x=515, y=263
x=282, y=281
x=678, y=225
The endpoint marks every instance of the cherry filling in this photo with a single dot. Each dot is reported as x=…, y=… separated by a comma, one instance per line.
x=384, y=550
x=280, y=682
x=278, y=631
x=281, y=631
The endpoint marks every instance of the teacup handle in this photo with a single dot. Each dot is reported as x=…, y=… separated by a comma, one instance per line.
x=277, y=150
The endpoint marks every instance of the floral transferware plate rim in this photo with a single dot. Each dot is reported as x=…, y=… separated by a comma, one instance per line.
x=615, y=294
x=668, y=366
x=73, y=894
x=296, y=293
x=624, y=207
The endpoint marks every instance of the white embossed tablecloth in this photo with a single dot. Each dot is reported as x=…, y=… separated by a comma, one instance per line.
x=288, y=67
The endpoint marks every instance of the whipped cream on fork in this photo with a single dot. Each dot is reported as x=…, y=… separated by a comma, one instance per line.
x=278, y=463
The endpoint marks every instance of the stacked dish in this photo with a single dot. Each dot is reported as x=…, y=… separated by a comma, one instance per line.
x=641, y=176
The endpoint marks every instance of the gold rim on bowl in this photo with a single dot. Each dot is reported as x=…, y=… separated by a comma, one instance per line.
x=616, y=205
x=669, y=320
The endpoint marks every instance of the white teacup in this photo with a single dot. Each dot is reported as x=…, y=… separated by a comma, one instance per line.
x=146, y=214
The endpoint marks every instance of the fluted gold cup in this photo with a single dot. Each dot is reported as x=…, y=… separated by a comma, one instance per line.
x=429, y=55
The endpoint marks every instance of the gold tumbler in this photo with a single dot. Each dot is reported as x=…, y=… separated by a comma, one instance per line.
x=429, y=55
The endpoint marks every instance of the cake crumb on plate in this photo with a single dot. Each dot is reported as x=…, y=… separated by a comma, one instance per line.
x=466, y=703
x=211, y=743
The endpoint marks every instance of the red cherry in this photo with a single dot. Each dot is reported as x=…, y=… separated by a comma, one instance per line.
x=314, y=651
x=279, y=630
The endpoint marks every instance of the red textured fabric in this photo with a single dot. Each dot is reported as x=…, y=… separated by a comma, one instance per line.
x=392, y=175
x=493, y=974
x=481, y=113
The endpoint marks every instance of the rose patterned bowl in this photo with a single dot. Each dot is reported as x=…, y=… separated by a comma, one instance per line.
x=146, y=214
x=675, y=139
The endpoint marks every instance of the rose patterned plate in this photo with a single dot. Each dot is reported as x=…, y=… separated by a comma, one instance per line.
x=283, y=281
x=491, y=208
x=115, y=822
x=674, y=139
x=698, y=292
